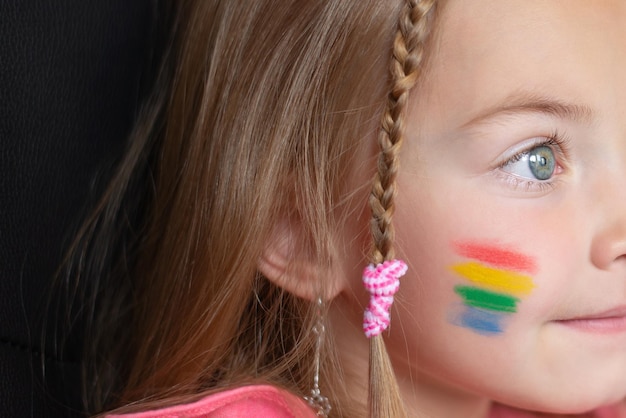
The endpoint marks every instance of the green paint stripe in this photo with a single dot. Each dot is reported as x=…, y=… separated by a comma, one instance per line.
x=485, y=299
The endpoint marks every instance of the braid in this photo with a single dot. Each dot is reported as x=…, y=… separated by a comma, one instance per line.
x=408, y=54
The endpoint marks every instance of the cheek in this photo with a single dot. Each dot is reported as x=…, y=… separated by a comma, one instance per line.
x=426, y=222
x=501, y=274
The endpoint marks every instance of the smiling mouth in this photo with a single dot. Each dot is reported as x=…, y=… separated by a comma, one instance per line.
x=606, y=322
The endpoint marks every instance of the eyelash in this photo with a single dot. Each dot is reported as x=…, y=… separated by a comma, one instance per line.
x=558, y=144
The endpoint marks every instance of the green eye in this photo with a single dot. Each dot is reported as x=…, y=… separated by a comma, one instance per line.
x=541, y=162
x=538, y=163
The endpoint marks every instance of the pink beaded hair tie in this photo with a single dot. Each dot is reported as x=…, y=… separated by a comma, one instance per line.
x=382, y=282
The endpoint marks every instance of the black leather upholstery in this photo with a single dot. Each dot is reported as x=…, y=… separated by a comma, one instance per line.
x=71, y=77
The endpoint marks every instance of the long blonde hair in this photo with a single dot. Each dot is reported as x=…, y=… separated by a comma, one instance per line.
x=257, y=115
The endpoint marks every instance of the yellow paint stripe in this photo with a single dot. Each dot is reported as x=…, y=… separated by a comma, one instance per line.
x=499, y=280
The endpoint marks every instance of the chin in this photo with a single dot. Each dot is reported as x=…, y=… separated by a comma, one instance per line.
x=567, y=400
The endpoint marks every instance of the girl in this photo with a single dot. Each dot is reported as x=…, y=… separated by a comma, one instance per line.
x=234, y=236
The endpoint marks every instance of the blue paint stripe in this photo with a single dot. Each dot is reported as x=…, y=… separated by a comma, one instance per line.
x=481, y=321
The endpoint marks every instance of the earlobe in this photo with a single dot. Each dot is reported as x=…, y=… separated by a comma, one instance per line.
x=288, y=266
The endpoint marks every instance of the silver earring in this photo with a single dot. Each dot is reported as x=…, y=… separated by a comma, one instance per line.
x=316, y=400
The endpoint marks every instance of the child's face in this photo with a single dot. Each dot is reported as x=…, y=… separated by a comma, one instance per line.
x=511, y=209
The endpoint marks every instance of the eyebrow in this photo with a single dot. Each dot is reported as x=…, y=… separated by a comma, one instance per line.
x=529, y=103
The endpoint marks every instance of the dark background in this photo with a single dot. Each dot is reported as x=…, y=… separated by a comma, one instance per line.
x=72, y=75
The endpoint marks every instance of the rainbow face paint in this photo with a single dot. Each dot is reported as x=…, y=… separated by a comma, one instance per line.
x=497, y=279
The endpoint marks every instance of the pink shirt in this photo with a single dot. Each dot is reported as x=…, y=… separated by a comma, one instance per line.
x=270, y=402
x=246, y=401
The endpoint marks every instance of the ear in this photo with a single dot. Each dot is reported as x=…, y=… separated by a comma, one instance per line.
x=287, y=265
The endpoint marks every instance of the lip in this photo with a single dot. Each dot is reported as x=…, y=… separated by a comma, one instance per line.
x=605, y=322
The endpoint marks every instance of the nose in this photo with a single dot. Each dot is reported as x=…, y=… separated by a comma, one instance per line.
x=609, y=240
x=609, y=247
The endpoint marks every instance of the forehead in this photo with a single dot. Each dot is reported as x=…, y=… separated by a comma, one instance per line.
x=487, y=50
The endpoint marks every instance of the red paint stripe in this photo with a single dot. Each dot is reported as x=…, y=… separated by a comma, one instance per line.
x=496, y=256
